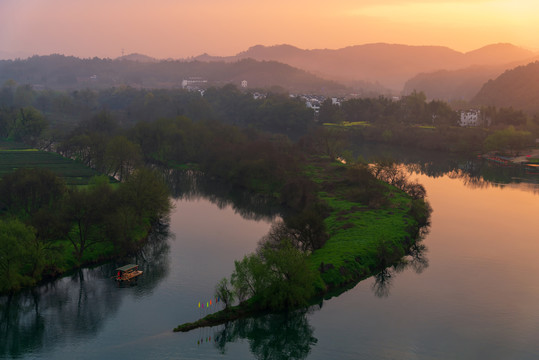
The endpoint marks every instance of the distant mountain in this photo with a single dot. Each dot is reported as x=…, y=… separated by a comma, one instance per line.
x=463, y=84
x=138, y=58
x=68, y=72
x=518, y=87
x=390, y=65
x=497, y=54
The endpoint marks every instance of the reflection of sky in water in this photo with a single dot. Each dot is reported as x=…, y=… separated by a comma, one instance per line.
x=477, y=298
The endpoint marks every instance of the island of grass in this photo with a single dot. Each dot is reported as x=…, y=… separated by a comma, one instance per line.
x=370, y=225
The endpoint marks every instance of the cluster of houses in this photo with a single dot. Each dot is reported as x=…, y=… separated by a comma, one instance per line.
x=468, y=118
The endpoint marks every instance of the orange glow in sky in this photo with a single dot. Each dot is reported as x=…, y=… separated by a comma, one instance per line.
x=181, y=28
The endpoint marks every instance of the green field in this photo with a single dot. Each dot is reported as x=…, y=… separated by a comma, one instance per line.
x=356, y=231
x=16, y=155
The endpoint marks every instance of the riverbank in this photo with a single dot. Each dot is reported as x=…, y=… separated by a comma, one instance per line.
x=57, y=215
x=529, y=156
x=363, y=239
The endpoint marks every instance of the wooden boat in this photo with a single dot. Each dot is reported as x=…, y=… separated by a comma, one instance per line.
x=127, y=273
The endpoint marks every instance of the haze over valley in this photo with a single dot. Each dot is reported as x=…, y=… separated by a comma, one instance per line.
x=299, y=180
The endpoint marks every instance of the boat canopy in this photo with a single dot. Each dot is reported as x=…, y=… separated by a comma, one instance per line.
x=127, y=267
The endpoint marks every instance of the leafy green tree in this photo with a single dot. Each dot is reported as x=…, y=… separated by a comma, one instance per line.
x=29, y=125
x=25, y=191
x=413, y=109
x=8, y=117
x=121, y=157
x=88, y=210
x=7, y=94
x=329, y=112
x=510, y=117
x=146, y=193
x=250, y=277
x=24, y=96
x=291, y=280
x=15, y=238
x=508, y=140
x=441, y=113
x=224, y=292
x=327, y=141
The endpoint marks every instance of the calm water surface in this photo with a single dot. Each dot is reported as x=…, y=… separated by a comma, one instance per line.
x=475, y=297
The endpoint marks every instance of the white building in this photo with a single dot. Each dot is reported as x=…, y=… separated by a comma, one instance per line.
x=469, y=117
x=194, y=83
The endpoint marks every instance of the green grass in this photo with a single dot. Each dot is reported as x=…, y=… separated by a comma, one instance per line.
x=356, y=231
x=15, y=155
x=348, y=124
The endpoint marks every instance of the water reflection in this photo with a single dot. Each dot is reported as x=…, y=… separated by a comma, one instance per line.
x=272, y=336
x=193, y=185
x=76, y=306
x=416, y=259
x=475, y=172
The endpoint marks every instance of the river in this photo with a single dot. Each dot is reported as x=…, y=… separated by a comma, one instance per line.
x=474, y=295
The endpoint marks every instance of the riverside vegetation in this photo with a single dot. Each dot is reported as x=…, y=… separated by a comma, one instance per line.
x=324, y=199
x=363, y=220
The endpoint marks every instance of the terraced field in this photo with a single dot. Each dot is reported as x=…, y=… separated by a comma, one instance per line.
x=16, y=155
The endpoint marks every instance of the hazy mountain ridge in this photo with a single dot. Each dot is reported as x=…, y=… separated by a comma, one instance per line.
x=391, y=65
x=138, y=57
x=68, y=72
x=461, y=84
x=518, y=87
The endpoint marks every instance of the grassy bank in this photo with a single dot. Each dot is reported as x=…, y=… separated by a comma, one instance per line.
x=56, y=215
x=363, y=239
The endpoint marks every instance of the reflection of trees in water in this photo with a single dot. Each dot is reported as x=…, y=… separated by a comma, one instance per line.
x=476, y=172
x=153, y=258
x=479, y=173
x=193, y=185
x=75, y=306
x=416, y=259
x=272, y=336
x=289, y=335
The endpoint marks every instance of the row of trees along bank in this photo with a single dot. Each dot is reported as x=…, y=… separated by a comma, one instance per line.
x=47, y=228
x=44, y=117
x=413, y=121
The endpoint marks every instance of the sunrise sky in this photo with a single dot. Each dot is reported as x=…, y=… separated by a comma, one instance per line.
x=183, y=28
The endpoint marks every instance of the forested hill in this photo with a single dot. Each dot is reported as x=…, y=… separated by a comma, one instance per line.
x=518, y=88
x=448, y=85
x=67, y=72
x=390, y=65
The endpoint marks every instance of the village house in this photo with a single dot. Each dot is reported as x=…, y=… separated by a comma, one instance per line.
x=469, y=117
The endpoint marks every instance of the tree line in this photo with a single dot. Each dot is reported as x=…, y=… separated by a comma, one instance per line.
x=47, y=227
x=264, y=163
x=275, y=112
x=412, y=121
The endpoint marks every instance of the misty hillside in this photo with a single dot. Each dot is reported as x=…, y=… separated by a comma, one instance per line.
x=518, y=88
x=138, y=57
x=67, y=72
x=390, y=65
x=462, y=84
